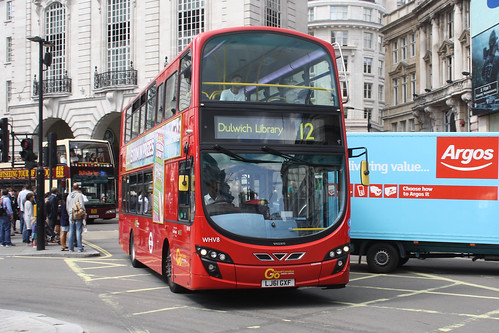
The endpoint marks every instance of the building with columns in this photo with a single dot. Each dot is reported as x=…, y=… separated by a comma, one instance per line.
x=106, y=51
x=428, y=68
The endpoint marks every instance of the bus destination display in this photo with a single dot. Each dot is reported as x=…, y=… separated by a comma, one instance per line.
x=289, y=129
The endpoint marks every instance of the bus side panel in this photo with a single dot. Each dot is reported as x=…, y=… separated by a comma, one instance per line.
x=124, y=232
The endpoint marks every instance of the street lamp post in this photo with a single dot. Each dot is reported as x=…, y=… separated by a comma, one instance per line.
x=40, y=171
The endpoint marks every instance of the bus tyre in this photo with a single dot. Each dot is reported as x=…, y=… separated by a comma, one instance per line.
x=167, y=272
x=382, y=258
x=133, y=256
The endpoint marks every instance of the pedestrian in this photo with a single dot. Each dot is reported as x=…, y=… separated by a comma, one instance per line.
x=75, y=224
x=29, y=217
x=15, y=209
x=53, y=212
x=21, y=198
x=6, y=216
x=64, y=223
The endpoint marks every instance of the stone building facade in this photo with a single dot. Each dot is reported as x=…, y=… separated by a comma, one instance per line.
x=428, y=68
x=104, y=52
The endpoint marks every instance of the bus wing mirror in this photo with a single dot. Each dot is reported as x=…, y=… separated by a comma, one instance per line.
x=364, y=165
x=364, y=173
x=183, y=183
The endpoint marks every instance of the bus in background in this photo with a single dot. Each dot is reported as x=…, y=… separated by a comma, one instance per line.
x=91, y=165
x=87, y=162
x=233, y=165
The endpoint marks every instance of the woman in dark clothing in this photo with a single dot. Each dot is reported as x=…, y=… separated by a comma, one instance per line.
x=64, y=223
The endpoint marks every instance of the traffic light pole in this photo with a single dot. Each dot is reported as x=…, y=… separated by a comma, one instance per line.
x=40, y=172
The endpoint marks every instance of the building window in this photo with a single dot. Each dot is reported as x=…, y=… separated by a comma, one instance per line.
x=8, y=54
x=395, y=91
x=344, y=89
x=404, y=89
x=381, y=69
x=381, y=95
x=367, y=113
x=55, y=32
x=339, y=12
x=8, y=89
x=450, y=24
x=380, y=43
x=191, y=21
x=368, y=88
x=394, y=127
x=412, y=41
x=118, y=35
x=413, y=84
x=395, y=51
x=368, y=40
x=448, y=68
x=273, y=10
x=466, y=14
x=403, y=126
x=368, y=64
x=342, y=66
x=368, y=14
x=412, y=126
x=340, y=37
x=403, y=46
x=10, y=8
x=311, y=14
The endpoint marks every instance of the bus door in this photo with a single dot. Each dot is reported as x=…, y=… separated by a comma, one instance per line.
x=181, y=238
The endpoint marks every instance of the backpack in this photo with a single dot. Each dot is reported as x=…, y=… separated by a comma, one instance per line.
x=77, y=211
x=3, y=211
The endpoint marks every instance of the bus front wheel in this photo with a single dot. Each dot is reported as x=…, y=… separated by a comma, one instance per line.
x=382, y=258
x=167, y=272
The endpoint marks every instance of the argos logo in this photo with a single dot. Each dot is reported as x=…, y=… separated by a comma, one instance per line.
x=467, y=157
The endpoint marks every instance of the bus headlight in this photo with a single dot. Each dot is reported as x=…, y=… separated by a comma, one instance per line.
x=110, y=211
x=210, y=259
x=338, y=252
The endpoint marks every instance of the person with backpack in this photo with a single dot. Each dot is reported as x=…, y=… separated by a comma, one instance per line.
x=75, y=206
x=6, y=216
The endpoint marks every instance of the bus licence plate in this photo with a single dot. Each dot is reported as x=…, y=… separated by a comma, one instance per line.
x=93, y=216
x=278, y=283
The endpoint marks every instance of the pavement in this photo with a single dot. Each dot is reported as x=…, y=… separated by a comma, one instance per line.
x=20, y=321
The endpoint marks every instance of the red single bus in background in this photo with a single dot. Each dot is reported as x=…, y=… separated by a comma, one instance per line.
x=234, y=165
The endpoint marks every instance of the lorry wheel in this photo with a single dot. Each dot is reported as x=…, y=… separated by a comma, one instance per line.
x=382, y=258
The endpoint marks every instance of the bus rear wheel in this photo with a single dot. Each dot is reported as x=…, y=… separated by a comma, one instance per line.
x=382, y=258
x=167, y=272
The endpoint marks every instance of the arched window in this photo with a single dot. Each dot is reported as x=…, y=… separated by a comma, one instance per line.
x=55, y=32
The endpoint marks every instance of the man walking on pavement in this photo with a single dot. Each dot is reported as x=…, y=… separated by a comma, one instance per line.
x=21, y=199
x=75, y=225
x=6, y=216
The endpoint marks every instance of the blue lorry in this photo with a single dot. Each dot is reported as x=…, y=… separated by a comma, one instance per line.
x=430, y=195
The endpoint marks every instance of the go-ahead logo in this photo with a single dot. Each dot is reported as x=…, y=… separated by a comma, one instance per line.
x=467, y=157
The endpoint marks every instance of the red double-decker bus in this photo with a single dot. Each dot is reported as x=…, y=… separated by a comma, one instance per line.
x=233, y=170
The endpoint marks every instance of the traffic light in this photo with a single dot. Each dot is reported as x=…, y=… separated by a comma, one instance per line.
x=50, y=152
x=27, y=152
x=4, y=139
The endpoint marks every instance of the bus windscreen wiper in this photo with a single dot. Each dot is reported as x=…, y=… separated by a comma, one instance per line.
x=289, y=157
x=236, y=156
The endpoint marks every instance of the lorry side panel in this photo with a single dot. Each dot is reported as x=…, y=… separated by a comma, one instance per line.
x=427, y=187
